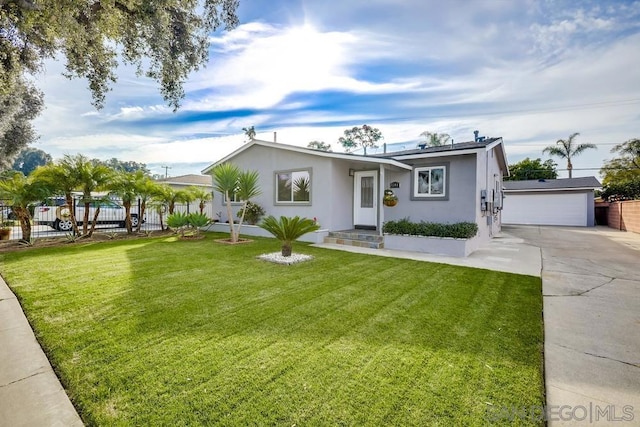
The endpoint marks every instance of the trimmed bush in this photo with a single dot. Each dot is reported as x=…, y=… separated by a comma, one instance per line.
x=459, y=230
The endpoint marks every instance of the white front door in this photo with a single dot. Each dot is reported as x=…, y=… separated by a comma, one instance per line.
x=365, y=199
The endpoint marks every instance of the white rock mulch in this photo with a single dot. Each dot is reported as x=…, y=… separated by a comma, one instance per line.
x=279, y=259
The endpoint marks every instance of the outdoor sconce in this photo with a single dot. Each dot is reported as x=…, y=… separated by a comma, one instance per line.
x=351, y=172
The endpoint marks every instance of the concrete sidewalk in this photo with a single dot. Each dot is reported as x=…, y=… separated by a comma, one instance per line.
x=30, y=393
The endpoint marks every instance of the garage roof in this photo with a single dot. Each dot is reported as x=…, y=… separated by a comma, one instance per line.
x=582, y=183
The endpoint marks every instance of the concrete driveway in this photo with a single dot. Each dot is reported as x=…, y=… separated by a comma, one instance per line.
x=591, y=293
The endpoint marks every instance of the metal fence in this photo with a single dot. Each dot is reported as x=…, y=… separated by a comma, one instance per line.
x=52, y=219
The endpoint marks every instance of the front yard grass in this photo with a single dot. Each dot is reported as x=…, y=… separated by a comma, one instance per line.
x=158, y=331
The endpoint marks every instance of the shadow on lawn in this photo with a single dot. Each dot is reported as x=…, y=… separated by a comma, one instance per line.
x=218, y=292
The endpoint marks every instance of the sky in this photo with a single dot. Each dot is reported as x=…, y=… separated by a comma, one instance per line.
x=531, y=72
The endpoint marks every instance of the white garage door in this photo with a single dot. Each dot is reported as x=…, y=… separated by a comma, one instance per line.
x=545, y=209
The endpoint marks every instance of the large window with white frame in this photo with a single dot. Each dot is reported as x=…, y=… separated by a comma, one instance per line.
x=293, y=187
x=430, y=182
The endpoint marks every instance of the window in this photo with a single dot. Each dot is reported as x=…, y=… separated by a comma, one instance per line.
x=430, y=182
x=293, y=186
x=234, y=198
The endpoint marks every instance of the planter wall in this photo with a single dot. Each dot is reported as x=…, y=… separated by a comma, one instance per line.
x=253, y=230
x=432, y=245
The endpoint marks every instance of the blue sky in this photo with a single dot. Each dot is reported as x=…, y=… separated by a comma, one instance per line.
x=529, y=71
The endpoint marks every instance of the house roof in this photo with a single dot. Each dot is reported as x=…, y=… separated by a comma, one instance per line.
x=469, y=145
x=460, y=148
x=583, y=183
x=320, y=153
x=191, y=179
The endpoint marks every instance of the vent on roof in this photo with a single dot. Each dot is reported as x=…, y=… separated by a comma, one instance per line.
x=476, y=136
x=422, y=146
x=542, y=180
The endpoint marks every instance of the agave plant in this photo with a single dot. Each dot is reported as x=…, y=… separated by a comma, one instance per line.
x=288, y=229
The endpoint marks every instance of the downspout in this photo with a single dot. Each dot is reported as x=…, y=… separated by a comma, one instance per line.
x=379, y=201
x=486, y=178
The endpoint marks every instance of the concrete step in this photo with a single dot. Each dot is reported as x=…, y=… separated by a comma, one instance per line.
x=377, y=243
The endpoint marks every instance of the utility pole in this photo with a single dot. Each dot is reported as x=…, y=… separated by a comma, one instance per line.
x=166, y=171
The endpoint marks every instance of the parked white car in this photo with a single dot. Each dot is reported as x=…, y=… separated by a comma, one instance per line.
x=56, y=213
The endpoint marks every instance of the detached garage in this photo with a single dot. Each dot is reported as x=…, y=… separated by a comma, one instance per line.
x=566, y=201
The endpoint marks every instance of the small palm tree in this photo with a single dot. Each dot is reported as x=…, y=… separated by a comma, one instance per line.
x=566, y=149
x=21, y=191
x=201, y=195
x=92, y=177
x=125, y=185
x=62, y=177
x=288, y=229
x=250, y=132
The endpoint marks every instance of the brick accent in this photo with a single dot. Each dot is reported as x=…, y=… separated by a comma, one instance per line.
x=625, y=215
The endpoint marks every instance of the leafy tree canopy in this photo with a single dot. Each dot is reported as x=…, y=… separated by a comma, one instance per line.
x=622, y=174
x=29, y=159
x=123, y=166
x=319, y=145
x=18, y=107
x=532, y=169
x=434, y=139
x=165, y=40
x=364, y=136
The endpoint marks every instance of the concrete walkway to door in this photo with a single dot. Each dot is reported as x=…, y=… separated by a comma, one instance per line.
x=591, y=294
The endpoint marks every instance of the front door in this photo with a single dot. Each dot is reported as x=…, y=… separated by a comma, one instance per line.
x=365, y=199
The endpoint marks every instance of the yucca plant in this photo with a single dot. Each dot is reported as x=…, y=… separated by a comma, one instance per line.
x=197, y=220
x=178, y=221
x=288, y=229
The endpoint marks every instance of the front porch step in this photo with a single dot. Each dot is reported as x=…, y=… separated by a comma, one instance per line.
x=354, y=238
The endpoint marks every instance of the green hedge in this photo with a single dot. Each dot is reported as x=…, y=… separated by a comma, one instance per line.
x=459, y=230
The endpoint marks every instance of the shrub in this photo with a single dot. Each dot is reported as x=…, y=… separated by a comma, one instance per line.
x=459, y=230
x=253, y=213
x=288, y=229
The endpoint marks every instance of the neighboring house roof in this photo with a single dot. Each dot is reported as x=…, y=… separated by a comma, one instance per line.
x=320, y=153
x=583, y=183
x=395, y=158
x=191, y=179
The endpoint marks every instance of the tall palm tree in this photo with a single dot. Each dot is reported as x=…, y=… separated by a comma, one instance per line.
x=21, y=191
x=434, y=139
x=567, y=149
x=288, y=229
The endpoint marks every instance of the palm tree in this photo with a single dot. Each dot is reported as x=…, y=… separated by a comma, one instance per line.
x=92, y=177
x=250, y=132
x=248, y=188
x=434, y=139
x=61, y=177
x=126, y=186
x=21, y=191
x=288, y=229
x=147, y=190
x=228, y=179
x=201, y=195
x=566, y=149
x=225, y=180
x=161, y=200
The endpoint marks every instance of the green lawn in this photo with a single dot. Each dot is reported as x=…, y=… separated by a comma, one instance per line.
x=156, y=331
